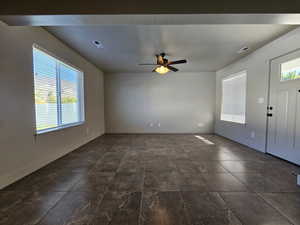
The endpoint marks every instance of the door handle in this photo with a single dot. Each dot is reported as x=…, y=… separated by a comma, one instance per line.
x=269, y=114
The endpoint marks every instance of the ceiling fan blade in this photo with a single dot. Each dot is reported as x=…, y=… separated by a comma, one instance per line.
x=147, y=64
x=172, y=68
x=154, y=70
x=178, y=62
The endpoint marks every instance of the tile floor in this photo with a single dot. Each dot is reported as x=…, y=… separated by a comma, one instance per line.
x=156, y=180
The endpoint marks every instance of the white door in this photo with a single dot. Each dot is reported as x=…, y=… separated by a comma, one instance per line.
x=284, y=108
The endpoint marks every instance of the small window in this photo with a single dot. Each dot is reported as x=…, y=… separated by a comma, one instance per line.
x=58, y=93
x=234, y=98
x=290, y=70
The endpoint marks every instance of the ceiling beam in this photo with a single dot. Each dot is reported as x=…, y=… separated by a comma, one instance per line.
x=166, y=19
x=88, y=7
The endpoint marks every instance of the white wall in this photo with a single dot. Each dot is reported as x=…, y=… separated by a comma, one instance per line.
x=180, y=102
x=20, y=152
x=257, y=66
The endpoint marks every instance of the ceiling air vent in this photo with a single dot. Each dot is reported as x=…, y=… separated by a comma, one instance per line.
x=243, y=49
x=98, y=44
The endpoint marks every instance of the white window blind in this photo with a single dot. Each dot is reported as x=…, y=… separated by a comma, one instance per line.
x=234, y=98
x=58, y=92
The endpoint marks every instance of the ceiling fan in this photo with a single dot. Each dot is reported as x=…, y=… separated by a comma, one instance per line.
x=163, y=65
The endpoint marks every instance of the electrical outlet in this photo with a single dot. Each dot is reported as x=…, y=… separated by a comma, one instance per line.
x=252, y=135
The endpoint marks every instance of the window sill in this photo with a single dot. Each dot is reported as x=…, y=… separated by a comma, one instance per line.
x=232, y=122
x=58, y=128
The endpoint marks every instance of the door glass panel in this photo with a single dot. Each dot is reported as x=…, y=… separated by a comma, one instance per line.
x=290, y=70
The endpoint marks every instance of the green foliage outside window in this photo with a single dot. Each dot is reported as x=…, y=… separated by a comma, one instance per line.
x=50, y=97
x=290, y=75
x=65, y=100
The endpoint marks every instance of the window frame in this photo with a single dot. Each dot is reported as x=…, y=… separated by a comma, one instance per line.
x=81, y=95
x=280, y=71
x=229, y=77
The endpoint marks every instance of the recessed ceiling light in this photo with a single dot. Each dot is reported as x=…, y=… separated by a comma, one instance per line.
x=243, y=49
x=98, y=44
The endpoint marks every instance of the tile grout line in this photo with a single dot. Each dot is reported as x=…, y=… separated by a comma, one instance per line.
x=52, y=207
x=242, y=182
x=62, y=197
x=66, y=192
x=280, y=213
x=141, y=218
x=185, y=209
x=227, y=205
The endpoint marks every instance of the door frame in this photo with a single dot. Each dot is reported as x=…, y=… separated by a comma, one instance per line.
x=269, y=96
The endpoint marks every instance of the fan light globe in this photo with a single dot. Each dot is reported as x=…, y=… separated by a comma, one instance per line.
x=162, y=70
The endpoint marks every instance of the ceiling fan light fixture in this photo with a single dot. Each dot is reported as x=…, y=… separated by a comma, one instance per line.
x=163, y=65
x=162, y=70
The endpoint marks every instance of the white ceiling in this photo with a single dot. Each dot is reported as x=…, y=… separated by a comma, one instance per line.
x=206, y=47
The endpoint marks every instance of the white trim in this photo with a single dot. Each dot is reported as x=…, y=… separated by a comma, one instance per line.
x=234, y=75
x=56, y=57
x=59, y=127
x=81, y=93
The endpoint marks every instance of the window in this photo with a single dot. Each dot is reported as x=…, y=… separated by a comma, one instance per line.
x=234, y=98
x=290, y=70
x=58, y=93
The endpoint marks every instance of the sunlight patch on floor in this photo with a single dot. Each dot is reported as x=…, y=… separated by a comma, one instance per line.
x=204, y=140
